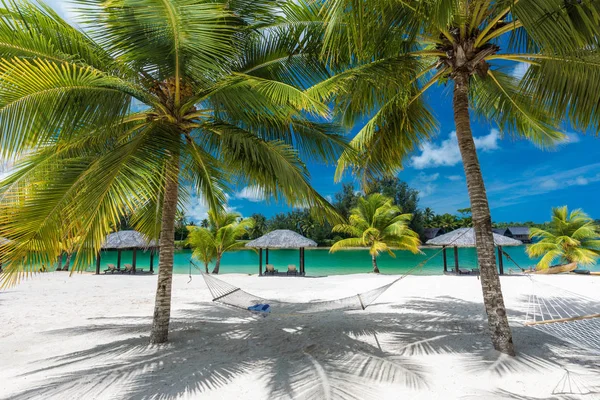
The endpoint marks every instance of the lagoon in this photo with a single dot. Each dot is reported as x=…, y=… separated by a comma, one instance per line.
x=320, y=262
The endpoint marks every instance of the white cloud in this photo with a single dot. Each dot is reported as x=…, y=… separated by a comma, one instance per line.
x=196, y=209
x=520, y=70
x=64, y=8
x=579, y=181
x=455, y=178
x=251, y=193
x=329, y=198
x=424, y=183
x=447, y=153
x=549, y=184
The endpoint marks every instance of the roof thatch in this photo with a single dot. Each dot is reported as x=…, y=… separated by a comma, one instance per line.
x=281, y=239
x=127, y=240
x=465, y=237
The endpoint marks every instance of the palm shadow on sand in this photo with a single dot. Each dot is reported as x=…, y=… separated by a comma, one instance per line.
x=332, y=355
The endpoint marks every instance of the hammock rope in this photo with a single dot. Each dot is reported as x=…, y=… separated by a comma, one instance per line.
x=225, y=293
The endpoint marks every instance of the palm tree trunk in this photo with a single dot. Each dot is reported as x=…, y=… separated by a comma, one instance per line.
x=217, y=265
x=374, y=260
x=162, y=307
x=68, y=262
x=206, y=267
x=482, y=221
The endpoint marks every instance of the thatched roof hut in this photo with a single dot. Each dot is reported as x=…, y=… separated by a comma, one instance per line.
x=127, y=240
x=281, y=239
x=465, y=237
x=431, y=233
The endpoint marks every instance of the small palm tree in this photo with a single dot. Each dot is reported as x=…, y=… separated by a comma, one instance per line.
x=378, y=224
x=225, y=230
x=203, y=245
x=569, y=237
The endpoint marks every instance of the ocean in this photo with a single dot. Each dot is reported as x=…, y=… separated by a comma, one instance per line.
x=319, y=262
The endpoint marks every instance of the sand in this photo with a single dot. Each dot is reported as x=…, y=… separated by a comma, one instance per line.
x=86, y=337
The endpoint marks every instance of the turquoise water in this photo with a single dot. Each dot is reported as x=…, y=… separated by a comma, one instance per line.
x=320, y=262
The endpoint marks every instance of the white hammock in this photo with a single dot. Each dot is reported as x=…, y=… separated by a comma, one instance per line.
x=225, y=293
x=564, y=314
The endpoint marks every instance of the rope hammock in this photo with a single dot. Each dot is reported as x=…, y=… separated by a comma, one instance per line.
x=225, y=293
x=563, y=314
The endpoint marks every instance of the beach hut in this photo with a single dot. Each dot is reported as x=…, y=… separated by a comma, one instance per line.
x=281, y=239
x=432, y=233
x=465, y=237
x=499, y=231
x=128, y=240
x=519, y=233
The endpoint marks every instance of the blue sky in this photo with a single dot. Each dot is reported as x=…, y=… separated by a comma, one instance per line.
x=523, y=182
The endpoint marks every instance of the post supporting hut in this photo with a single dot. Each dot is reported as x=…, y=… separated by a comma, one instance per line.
x=281, y=239
x=128, y=241
x=465, y=237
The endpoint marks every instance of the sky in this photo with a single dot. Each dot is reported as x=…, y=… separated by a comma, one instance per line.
x=523, y=182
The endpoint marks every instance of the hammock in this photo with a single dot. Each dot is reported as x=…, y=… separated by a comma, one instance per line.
x=564, y=314
x=225, y=293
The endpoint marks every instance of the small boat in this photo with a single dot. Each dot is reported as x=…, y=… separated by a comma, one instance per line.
x=555, y=269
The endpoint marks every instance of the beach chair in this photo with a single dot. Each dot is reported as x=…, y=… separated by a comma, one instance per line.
x=128, y=269
x=270, y=270
x=292, y=270
x=112, y=268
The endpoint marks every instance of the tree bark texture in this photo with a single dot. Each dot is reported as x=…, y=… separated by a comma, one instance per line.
x=374, y=260
x=482, y=221
x=162, y=307
x=217, y=265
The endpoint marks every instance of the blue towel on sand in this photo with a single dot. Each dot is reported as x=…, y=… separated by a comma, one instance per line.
x=263, y=308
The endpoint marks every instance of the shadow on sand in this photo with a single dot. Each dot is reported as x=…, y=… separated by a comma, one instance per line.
x=332, y=355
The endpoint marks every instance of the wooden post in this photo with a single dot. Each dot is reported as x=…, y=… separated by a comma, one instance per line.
x=134, y=260
x=260, y=262
x=303, y=261
x=119, y=259
x=500, y=260
x=152, y=250
x=267, y=256
x=456, y=259
x=445, y=259
x=98, y=264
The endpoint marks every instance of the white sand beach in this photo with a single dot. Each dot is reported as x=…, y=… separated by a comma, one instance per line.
x=86, y=337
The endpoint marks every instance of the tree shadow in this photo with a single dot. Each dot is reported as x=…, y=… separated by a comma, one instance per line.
x=337, y=355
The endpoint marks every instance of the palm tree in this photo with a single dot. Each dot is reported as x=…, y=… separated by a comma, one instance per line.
x=378, y=224
x=429, y=214
x=203, y=245
x=568, y=237
x=225, y=230
x=260, y=226
x=389, y=53
x=150, y=102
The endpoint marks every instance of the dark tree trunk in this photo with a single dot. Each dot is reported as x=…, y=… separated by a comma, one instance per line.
x=374, y=260
x=482, y=222
x=162, y=307
x=217, y=265
x=68, y=262
x=206, y=267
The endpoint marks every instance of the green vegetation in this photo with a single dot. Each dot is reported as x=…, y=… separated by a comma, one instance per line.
x=379, y=225
x=569, y=238
x=222, y=235
x=149, y=103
